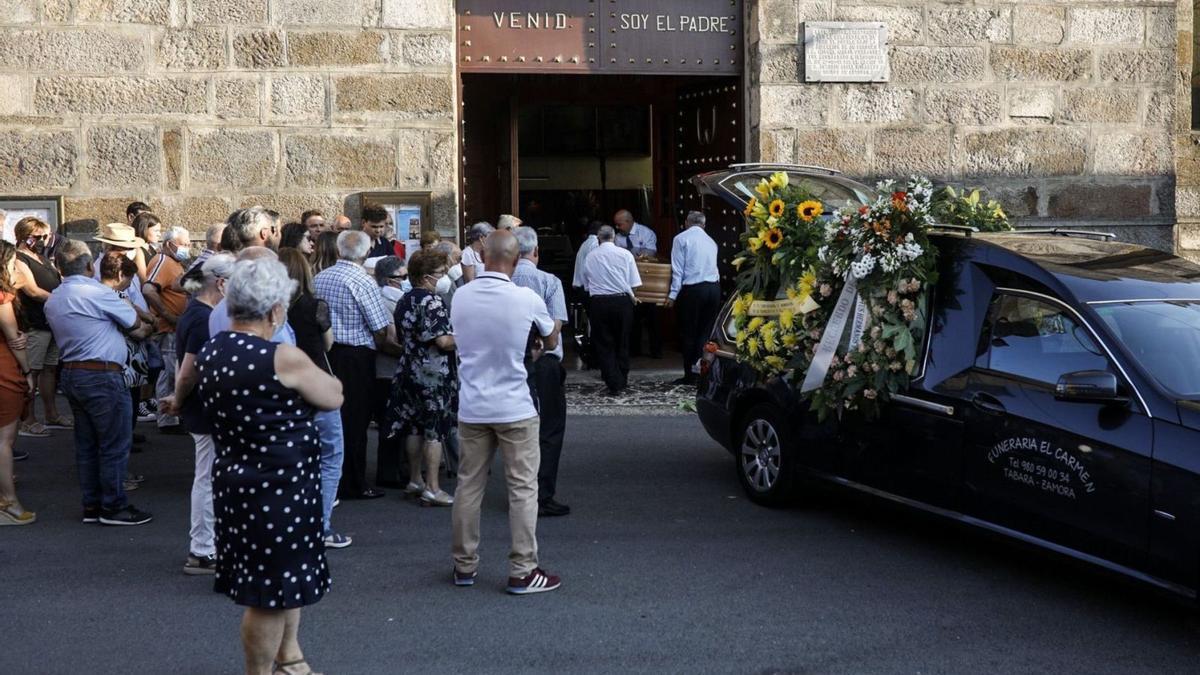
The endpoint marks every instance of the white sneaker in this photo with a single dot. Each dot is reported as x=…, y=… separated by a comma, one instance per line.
x=414, y=489
x=440, y=498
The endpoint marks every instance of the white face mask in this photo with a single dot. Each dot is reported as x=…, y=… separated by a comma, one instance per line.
x=443, y=285
x=131, y=254
x=455, y=273
x=405, y=286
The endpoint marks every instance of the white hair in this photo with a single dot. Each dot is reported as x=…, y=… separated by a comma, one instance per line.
x=175, y=232
x=606, y=233
x=219, y=265
x=527, y=239
x=257, y=287
x=479, y=231
x=353, y=245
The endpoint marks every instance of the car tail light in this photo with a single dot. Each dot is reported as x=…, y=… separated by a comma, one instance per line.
x=710, y=355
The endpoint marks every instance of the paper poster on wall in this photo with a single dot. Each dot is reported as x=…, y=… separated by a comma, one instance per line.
x=46, y=209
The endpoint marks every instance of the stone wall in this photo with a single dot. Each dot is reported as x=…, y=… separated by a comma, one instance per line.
x=202, y=106
x=1065, y=110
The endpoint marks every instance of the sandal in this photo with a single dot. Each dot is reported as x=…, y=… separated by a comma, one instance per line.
x=10, y=515
x=33, y=430
x=60, y=422
x=289, y=668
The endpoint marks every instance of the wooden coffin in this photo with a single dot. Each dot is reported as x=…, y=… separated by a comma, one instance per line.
x=656, y=282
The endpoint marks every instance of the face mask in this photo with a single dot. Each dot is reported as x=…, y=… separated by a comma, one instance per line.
x=183, y=254
x=405, y=286
x=443, y=285
x=455, y=273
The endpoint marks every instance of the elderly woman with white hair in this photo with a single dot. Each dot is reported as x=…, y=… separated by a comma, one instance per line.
x=260, y=398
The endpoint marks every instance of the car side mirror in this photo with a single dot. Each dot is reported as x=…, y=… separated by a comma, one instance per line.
x=1095, y=386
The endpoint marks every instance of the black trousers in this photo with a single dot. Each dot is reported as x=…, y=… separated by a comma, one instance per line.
x=392, y=467
x=355, y=367
x=696, y=306
x=645, y=320
x=546, y=379
x=612, y=318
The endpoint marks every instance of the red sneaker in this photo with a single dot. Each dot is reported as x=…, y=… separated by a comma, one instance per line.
x=538, y=581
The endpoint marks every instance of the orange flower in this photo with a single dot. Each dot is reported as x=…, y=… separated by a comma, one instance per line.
x=750, y=207
x=899, y=201
x=809, y=210
x=774, y=238
x=777, y=208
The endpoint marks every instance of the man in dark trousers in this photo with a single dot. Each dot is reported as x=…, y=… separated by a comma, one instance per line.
x=610, y=275
x=695, y=290
x=546, y=374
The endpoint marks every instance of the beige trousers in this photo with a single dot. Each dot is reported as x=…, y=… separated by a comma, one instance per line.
x=477, y=443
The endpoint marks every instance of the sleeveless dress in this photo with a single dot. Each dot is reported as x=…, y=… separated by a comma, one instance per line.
x=266, y=477
x=13, y=390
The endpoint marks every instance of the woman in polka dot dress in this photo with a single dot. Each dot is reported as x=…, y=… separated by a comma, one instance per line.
x=260, y=398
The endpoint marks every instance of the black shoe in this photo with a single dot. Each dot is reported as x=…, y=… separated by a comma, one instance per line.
x=551, y=508
x=369, y=493
x=173, y=429
x=91, y=515
x=200, y=564
x=20, y=455
x=129, y=515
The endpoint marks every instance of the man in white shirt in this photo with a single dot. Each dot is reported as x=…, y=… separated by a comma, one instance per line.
x=610, y=275
x=635, y=237
x=695, y=290
x=642, y=242
x=492, y=319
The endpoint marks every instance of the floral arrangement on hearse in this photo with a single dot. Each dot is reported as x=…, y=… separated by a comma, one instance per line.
x=835, y=304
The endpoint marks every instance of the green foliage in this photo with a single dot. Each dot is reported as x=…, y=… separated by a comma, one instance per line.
x=954, y=207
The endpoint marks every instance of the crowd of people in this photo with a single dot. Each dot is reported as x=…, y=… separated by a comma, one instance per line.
x=276, y=348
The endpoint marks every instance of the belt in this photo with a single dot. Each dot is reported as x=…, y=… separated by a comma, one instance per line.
x=93, y=365
x=614, y=295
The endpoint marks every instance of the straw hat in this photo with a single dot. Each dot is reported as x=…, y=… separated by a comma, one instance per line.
x=508, y=222
x=119, y=235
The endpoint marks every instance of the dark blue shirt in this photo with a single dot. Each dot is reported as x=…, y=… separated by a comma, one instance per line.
x=191, y=332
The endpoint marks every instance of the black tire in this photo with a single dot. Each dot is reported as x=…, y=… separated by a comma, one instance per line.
x=765, y=457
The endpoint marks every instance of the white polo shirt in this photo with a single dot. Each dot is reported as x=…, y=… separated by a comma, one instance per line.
x=610, y=270
x=492, y=317
x=472, y=259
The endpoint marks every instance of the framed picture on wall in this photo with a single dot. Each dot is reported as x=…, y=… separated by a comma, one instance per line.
x=48, y=209
x=409, y=213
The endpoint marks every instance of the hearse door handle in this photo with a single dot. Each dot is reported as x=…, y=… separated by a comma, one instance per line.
x=988, y=404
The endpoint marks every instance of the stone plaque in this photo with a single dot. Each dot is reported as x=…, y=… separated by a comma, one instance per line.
x=843, y=51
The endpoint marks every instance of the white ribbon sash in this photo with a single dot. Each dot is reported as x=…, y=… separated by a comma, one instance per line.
x=819, y=367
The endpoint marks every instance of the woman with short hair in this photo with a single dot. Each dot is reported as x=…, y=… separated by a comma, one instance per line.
x=424, y=398
x=260, y=398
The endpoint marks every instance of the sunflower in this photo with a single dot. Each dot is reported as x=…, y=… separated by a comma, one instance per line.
x=750, y=207
x=777, y=208
x=809, y=210
x=774, y=238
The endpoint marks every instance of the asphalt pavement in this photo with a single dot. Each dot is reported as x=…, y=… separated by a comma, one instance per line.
x=666, y=568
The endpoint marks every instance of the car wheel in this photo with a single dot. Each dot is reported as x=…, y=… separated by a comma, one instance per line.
x=765, y=459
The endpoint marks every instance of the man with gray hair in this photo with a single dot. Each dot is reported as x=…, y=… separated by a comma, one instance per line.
x=254, y=226
x=89, y=321
x=472, y=255
x=191, y=332
x=361, y=326
x=546, y=373
x=168, y=301
x=695, y=291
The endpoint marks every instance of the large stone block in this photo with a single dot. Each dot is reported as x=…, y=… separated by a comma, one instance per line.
x=335, y=48
x=423, y=49
x=417, y=14
x=16, y=94
x=1108, y=104
x=237, y=98
x=938, y=64
x=903, y=23
x=416, y=167
x=1025, y=151
x=1041, y=64
x=900, y=152
x=360, y=160
x=957, y=105
x=259, y=49
x=298, y=98
x=969, y=25
x=19, y=11
x=172, y=145
x=781, y=63
x=194, y=212
x=841, y=149
x=124, y=11
x=1019, y=201
x=37, y=160
x=1138, y=65
x=222, y=12
x=777, y=146
x=121, y=95
x=793, y=106
x=878, y=105
x=1189, y=241
x=1106, y=25
x=1129, y=154
x=1031, y=105
x=778, y=21
x=1160, y=27
x=87, y=51
x=327, y=13
x=1161, y=109
x=1039, y=25
x=191, y=49
x=122, y=157
x=290, y=206
x=102, y=210
x=238, y=158
x=1101, y=201
x=1187, y=202
x=443, y=158
x=406, y=95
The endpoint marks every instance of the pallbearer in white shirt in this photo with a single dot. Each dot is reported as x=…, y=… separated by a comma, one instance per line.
x=610, y=275
x=695, y=290
x=642, y=242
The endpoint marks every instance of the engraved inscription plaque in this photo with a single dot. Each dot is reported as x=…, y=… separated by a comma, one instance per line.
x=843, y=51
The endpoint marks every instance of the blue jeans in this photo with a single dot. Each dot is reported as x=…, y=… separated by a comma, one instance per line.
x=329, y=429
x=103, y=434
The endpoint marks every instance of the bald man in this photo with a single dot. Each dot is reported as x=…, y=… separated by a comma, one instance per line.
x=492, y=318
x=340, y=224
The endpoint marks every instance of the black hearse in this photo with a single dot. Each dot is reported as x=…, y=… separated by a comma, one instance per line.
x=1057, y=402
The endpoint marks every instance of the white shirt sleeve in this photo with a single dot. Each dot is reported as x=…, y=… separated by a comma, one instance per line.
x=678, y=259
x=635, y=278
